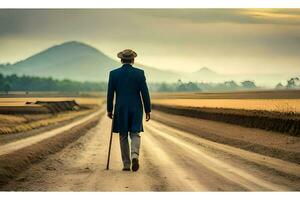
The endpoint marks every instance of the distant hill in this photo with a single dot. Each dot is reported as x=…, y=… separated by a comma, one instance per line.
x=205, y=74
x=204, y=71
x=265, y=80
x=76, y=61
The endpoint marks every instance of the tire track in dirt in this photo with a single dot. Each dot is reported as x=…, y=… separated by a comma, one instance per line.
x=277, y=164
x=195, y=149
x=171, y=160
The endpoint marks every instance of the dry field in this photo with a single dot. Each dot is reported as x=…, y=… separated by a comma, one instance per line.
x=278, y=105
x=265, y=110
x=15, y=124
x=21, y=101
x=19, y=121
x=279, y=101
x=263, y=94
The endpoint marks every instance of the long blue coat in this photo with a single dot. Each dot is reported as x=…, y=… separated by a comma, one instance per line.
x=129, y=85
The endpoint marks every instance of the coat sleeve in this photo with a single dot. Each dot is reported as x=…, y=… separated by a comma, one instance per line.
x=110, y=94
x=145, y=94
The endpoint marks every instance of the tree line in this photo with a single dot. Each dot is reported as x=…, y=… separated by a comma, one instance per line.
x=181, y=86
x=292, y=83
x=30, y=83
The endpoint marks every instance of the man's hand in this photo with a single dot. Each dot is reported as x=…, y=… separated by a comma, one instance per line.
x=148, y=116
x=110, y=115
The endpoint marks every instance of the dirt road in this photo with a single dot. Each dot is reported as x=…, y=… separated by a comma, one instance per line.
x=171, y=160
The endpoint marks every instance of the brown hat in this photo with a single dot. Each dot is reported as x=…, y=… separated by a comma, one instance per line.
x=127, y=54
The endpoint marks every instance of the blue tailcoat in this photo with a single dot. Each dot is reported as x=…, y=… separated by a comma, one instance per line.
x=129, y=85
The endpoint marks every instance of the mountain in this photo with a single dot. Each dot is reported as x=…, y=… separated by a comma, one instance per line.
x=206, y=71
x=206, y=75
x=77, y=61
x=269, y=80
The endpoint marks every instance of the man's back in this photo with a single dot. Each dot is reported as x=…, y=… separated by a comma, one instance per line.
x=127, y=80
x=129, y=85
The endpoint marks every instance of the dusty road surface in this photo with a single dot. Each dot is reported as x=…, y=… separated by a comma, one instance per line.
x=171, y=160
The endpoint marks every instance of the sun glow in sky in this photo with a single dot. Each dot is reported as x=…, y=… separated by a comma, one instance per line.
x=229, y=41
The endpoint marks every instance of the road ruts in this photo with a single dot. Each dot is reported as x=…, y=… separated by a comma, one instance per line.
x=171, y=160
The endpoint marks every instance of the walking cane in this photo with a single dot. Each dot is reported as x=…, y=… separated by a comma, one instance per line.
x=110, y=141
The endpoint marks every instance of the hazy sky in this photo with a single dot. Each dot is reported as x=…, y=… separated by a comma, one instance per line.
x=225, y=40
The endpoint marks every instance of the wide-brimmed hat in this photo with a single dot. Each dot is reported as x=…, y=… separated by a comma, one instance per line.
x=127, y=54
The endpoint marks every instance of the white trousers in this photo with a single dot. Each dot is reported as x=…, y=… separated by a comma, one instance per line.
x=125, y=150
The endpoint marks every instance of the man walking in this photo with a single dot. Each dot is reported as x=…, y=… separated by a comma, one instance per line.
x=129, y=85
